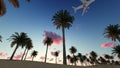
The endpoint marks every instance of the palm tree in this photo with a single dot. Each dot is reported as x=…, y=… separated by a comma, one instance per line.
x=56, y=55
x=113, y=32
x=73, y=50
x=34, y=54
x=116, y=50
x=62, y=19
x=27, y=45
x=30, y=46
x=15, y=3
x=80, y=58
x=68, y=57
x=93, y=56
x=48, y=41
x=107, y=57
x=19, y=40
x=84, y=58
x=0, y=38
x=72, y=60
x=102, y=60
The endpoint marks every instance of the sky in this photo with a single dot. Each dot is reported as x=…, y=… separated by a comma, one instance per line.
x=33, y=18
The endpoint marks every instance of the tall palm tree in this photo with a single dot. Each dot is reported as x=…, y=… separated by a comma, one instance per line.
x=56, y=55
x=48, y=41
x=0, y=38
x=27, y=45
x=73, y=50
x=116, y=50
x=62, y=19
x=18, y=40
x=34, y=54
x=15, y=3
x=113, y=32
x=93, y=56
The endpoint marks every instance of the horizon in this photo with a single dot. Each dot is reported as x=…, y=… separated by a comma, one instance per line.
x=33, y=18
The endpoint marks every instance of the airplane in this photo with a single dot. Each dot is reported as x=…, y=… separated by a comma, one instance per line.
x=85, y=5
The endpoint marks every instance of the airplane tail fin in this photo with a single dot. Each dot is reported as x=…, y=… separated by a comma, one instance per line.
x=74, y=8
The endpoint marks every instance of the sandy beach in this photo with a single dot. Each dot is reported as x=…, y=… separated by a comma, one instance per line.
x=33, y=64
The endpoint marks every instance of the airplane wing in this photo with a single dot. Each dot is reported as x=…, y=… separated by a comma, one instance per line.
x=90, y=1
x=77, y=8
x=83, y=1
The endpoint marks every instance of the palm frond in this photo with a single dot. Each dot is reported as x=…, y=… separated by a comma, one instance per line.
x=15, y=3
x=2, y=8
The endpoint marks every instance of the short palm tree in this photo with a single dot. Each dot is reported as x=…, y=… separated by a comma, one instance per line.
x=62, y=19
x=68, y=57
x=27, y=45
x=113, y=32
x=18, y=40
x=48, y=41
x=56, y=55
x=73, y=50
x=80, y=58
x=102, y=60
x=93, y=56
x=116, y=50
x=84, y=59
x=34, y=54
x=15, y=3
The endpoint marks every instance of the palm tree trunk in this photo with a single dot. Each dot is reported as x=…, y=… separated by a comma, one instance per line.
x=26, y=54
x=23, y=53
x=46, y=53
x=64, y=49
x=74, y=59
x=32, y=58
x=11, y=58
x=56, y=59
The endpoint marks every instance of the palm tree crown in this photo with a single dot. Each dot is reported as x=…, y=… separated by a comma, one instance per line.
x=113, y=32
x=63, y=19
x=73, y=50
x=48, y=41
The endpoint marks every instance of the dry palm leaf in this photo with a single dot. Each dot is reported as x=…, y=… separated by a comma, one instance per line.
x=2, y=8
x=15, y=3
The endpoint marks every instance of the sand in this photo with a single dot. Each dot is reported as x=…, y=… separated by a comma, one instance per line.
x=32, y=64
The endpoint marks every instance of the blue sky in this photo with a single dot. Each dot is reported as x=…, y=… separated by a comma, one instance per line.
x=86, y=33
